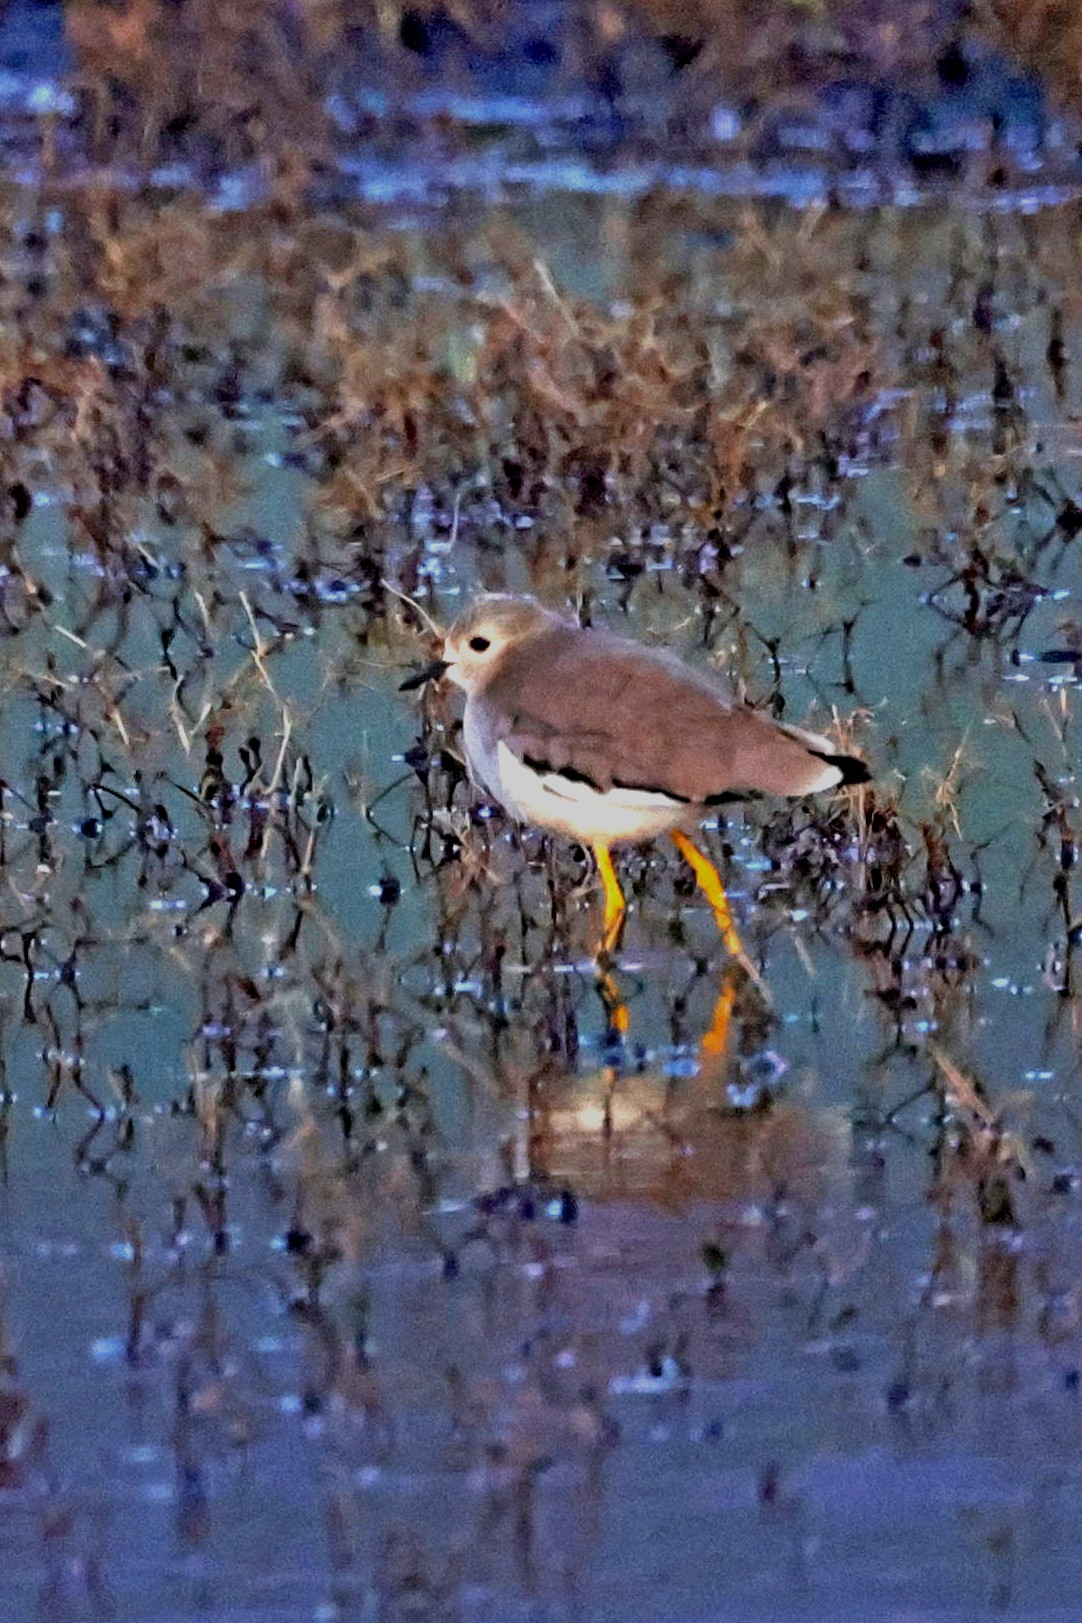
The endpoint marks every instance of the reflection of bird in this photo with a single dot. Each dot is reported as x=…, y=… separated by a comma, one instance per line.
x=598, y=738
x=644, y=1137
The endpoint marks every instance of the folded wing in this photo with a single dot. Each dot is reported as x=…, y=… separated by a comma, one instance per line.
x=615, y=716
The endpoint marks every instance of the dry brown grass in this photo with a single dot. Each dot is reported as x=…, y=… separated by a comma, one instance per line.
x=1043, y=35
x=221, y=82
x=157, y=78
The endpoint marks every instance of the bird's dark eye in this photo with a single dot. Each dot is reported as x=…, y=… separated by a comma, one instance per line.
x=479, y=644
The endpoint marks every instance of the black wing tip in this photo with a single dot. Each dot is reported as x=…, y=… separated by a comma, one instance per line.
x=852, y=769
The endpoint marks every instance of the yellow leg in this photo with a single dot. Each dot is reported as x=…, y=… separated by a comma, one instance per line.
x=709, y=881
x=615, y=906
x=616, y=1010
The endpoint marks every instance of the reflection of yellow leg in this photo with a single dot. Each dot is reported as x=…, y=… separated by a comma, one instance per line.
x=615, y=906
x=716, y=1038
x=710, y=884
x=616, y=1010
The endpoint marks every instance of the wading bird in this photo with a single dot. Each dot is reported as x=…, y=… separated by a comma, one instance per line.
x=609, y=742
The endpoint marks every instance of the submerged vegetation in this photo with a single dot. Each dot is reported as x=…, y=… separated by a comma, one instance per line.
x=351, y=1263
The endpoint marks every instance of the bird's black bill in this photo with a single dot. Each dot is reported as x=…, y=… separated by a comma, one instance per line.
x=428, y=673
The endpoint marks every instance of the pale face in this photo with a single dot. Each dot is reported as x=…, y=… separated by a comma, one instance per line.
x=478, y=640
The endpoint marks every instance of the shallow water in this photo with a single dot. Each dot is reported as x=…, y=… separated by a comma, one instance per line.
x=351, y=1268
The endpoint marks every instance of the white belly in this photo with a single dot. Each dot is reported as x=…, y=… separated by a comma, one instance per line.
x=568, y=807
